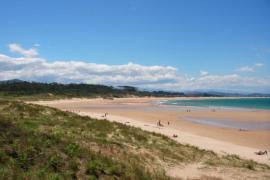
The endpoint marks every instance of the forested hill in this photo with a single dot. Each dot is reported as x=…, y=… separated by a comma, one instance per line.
x=18, y=88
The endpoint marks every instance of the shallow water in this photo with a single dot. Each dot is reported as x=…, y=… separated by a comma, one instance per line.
x=225, y=123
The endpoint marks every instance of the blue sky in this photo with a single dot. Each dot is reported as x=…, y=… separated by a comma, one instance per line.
x=196, y=37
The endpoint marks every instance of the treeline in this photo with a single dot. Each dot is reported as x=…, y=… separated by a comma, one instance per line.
x=24, y=88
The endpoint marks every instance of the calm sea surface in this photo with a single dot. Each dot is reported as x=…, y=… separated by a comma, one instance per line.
x=253, y=103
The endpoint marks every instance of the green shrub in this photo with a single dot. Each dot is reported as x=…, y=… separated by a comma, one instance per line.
x=94, y=167
x=71, y=150
x=55, y=163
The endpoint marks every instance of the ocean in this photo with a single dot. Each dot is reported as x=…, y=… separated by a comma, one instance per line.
x=250, y=103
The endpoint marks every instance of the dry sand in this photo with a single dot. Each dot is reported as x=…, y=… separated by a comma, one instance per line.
x=143, y=113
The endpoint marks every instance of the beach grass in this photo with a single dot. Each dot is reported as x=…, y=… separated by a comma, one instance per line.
x=38, y=142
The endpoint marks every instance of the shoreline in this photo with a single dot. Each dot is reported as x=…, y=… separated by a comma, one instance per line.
x=219, y=147
x=223, y=107
x=134, y=112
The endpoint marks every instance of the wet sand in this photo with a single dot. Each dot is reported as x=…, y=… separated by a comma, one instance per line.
x=145, y=113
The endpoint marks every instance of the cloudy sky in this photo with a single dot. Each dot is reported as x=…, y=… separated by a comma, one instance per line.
x=156, y=44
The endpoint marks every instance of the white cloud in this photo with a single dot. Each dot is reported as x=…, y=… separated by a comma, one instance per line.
x=18, y=49
x=32, y=68
x=38, y=69
x=250, y=68
x=258, y=65
x=203, y=73
x=246, y=69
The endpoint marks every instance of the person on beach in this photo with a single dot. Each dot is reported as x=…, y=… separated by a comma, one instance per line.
x=261, y=152
x=168, y=123
x=159, y=123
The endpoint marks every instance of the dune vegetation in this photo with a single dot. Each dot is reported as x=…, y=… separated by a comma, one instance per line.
x=38, y=142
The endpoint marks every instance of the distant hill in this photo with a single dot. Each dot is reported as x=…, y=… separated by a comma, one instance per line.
x=223, y=94
x=18, y=88
x=11, y=81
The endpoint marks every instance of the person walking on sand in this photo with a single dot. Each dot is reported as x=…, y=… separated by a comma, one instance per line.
x=159, y=123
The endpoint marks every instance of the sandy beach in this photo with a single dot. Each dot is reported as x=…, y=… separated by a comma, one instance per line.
x=146, y=112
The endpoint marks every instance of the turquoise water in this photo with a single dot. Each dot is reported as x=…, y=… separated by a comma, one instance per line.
x=253, y=103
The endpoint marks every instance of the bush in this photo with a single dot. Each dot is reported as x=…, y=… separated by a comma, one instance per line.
x=71, y=150
x=54, y=163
